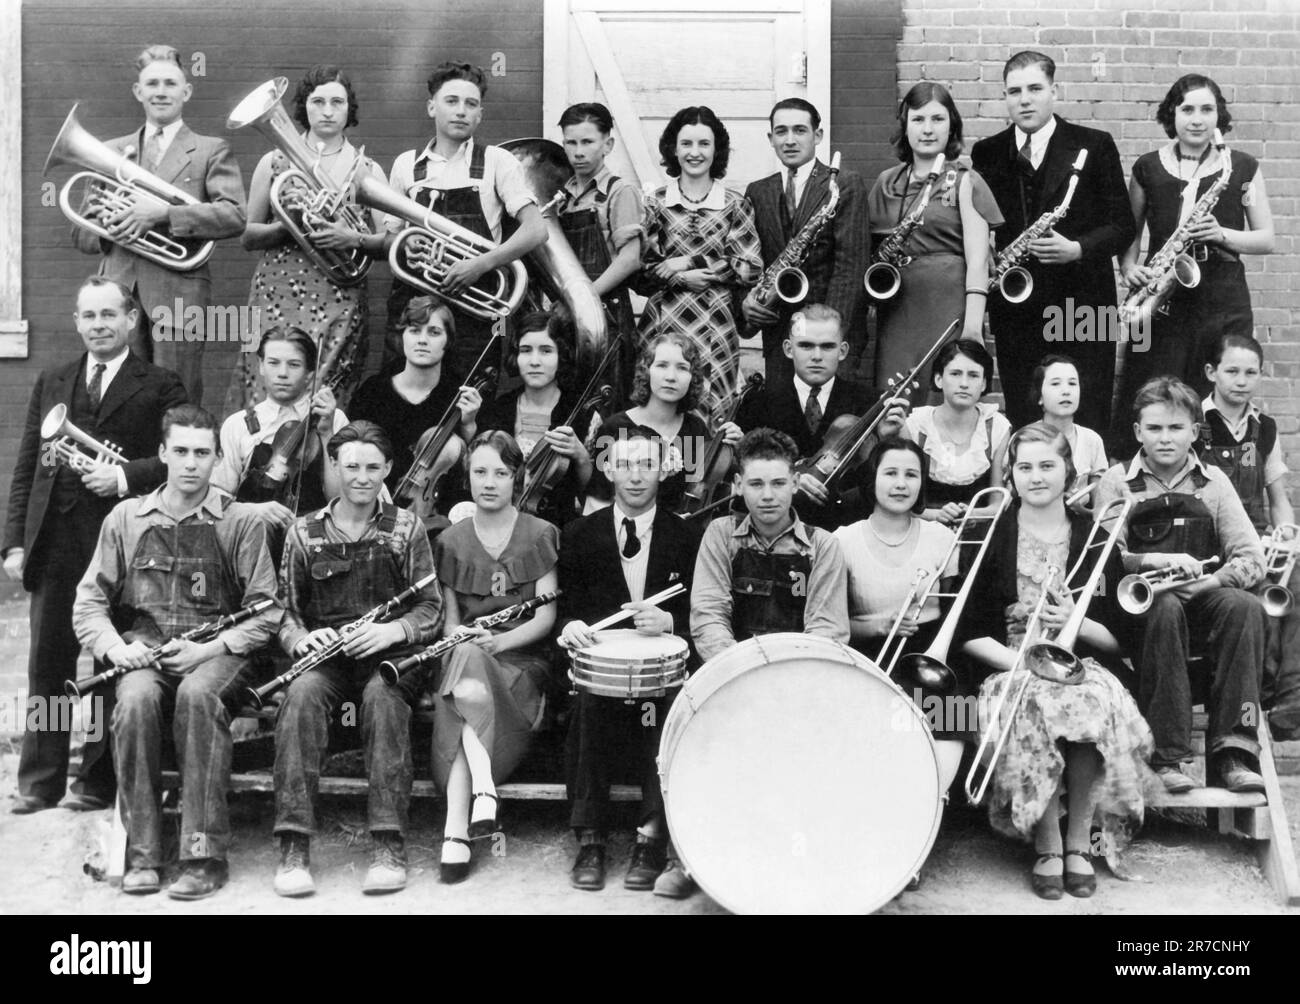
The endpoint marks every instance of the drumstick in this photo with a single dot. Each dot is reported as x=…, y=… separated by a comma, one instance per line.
x=622, y=615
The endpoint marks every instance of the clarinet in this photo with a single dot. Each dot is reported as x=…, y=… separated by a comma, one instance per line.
x=392, y=672
x=312, y=660
x=204, y=632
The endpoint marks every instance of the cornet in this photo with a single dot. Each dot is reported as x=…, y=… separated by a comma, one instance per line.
x=118, y=182
x=1137, y=592
x=1280, y=555
x=62, y=434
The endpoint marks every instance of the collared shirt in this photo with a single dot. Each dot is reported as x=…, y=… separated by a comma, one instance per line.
x=504, y=187
x=421, y=620
x=623, y=212
x=1274, y=466
x=1243, y=563
x=237, y=442
x=801, y=176
x=826, y=612
x=241, y=536
x=1037, y=141
x=634, y=568
x=715, y=200
x=111, y=368
x=164, y=141
x=823, y=395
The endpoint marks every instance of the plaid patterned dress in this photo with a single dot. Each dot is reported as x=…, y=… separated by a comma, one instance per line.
x=719, y=234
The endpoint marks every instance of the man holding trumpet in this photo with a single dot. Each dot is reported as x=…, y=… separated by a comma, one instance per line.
x=55, y=511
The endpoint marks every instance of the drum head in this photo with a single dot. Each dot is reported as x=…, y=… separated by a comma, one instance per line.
x=803, y=781
x=632, y=648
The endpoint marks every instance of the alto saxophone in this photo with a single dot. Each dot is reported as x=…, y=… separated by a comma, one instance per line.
x=784, y=280
x=1010, y=277
x=1175, y=261
x=885, y=275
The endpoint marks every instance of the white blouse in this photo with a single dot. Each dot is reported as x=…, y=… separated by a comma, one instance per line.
x=947, y=466
x=880, y=576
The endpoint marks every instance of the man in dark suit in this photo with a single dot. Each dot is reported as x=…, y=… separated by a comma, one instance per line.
x=201, y=166
x=54, y=518
x=1027, y=166
x=783, y=204
x=613, y=559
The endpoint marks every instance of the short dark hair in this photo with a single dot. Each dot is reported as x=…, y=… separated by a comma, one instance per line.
x=191, y=416
x=323, y=73
x=972, y=350
x=558, y=328
x=876, y=458
x=419, y=309
x=1026, y=58
x=1040, y=374
x=588, y=111
x=1232, y=341
x=128, y=298
x=766, y=444
x=1039, y=432
x=292, y=334
x=1169, y=391
x=360, y=431
x=1192, y=82
x=641, y=373
x=919, y=96
x=444, y=72
x=798, y=105
x=695, y=115
x=505, y=446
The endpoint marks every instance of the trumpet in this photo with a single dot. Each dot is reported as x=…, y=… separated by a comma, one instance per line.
x=117, y=182
x=424, y=252
x=304, y=198
x=929, y=670
x=1053, y=661
x=204, y=632
x=1280, y=554
x=64, y=436
x=885, y=275
x=1137, y=592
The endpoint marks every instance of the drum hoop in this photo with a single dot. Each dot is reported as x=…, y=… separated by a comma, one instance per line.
x=656, y=664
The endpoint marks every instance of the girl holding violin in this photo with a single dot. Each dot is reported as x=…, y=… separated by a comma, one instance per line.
x=540, y=353
x=1084, y=744
x=666, y=388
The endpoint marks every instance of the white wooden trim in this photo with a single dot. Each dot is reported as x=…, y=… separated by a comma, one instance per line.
x=817, y=39
x=684, y=6
x=11, y=175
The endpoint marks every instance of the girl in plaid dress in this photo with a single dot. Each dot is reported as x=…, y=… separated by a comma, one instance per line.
x=702, y=252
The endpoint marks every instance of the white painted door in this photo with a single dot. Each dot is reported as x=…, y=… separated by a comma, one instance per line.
x=645, y=60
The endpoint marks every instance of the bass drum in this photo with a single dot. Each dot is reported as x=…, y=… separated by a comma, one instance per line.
x=797, y=778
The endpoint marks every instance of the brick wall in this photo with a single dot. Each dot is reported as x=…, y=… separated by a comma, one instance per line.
x=1115, y=61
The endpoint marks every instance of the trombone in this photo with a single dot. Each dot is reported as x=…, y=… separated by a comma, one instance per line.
x=63, y=436
x=1138, y=591
x=1054, y=661
x=929, y=670
x=1280, y=554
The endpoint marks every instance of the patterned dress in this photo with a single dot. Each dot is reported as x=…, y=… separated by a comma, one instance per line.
x=719, y=233
x=288, y=288
x=1098, y=711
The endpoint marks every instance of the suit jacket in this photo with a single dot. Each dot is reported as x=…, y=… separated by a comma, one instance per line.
x=204, y=167
x=130, y=416
x=838, y=257
x=777, y=407
x=1099, y=218
x=591, y=573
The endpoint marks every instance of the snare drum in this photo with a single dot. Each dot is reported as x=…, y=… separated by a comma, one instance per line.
x=629, y=665
x=798, y=778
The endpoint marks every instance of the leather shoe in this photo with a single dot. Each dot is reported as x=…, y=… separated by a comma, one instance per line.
x=141, y=881
x=1047, y=886
x=589, y=868
x=648, y=860
x=293, y=876
x=83, y=803
x=481, y=829
x=25, y=805
x=199, y=879
x=1081, y=884
x=1175, y=781
x=673, y=882
x=1235, y=774
x=451, y=872
x=387, y=871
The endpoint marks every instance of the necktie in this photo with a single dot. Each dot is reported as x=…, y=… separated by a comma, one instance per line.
x=631, y=544
x=812, y=411
x=1026, y=161
x=790, y=202
x=153, y=150
x=96, y=389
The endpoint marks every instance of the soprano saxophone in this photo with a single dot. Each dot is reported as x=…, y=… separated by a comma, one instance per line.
x=784, y=280
x=885, y=274
x=1010, y=277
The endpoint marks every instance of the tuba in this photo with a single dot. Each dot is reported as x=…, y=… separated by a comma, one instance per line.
x=423, y=253
x=304, y=198
x=64, y=436
x=115, y=181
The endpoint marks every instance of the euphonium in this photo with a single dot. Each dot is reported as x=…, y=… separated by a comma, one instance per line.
x=1011, y=278
x=117, y=182
x=304, y=198
x=784, y=280
x=885, y=275
x=1279, y=561
x=63, y=435
x=423, y=253
x=1137, y=592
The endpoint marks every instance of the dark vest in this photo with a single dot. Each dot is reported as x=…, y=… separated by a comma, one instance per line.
x=350, y=578
x=1243, y=462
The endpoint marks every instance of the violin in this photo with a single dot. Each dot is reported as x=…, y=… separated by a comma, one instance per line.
x=716, y=463
x=439, y=449
x=547, y=468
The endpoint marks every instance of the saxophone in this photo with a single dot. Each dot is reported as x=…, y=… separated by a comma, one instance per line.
x=784, y=280
x=1010, y=277
x=1175, y=261
x=885, y=275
